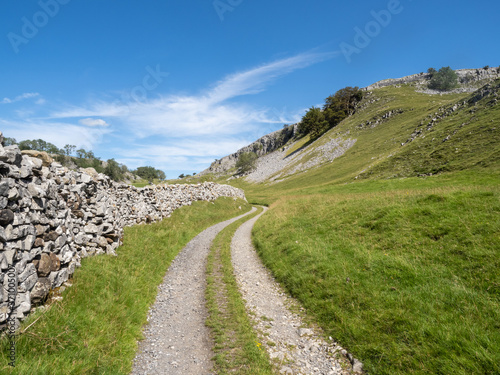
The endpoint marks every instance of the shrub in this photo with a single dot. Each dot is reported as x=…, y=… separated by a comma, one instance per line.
x=246, y=162
x=444, y=80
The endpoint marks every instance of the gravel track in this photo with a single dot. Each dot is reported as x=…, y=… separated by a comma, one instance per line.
x=176, y=339
x=295, y=347
x=178, y=342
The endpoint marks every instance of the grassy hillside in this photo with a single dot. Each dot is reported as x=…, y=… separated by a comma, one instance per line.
x=394, y=247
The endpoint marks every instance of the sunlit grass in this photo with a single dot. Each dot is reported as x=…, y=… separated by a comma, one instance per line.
x=407, y=279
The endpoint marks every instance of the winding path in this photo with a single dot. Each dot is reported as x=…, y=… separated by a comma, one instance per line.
x=176, y=339
x=178, y=342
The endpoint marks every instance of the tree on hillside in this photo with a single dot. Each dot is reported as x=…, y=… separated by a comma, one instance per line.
x=69, y=149
x=39, y=145
x=7, y=141
x=150, y=173
x=314, y=122
x=81, y=154
x=161, y=175
x=341, y=105
x=444, y=80
x=344, y=101
x=113, y=170
x=246, y=162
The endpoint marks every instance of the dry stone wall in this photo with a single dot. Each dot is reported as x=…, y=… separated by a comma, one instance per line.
x=52, y=217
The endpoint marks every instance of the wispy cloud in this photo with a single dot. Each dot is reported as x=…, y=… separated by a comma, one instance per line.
x=18, y=98
x=206, y=113
x=254, y=80
x=93, y=122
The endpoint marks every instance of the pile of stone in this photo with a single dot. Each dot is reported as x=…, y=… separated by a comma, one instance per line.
x=52, y=217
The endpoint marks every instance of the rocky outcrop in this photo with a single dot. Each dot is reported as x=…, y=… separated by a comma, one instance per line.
x=466, y=77
x=263, y=146
x=52, y=217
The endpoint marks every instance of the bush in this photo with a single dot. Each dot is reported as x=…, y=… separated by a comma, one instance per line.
x=314, y=122
x=444, y=80
x=246, y=162
x=113, y=170
x=150, y=173
x=39, y=145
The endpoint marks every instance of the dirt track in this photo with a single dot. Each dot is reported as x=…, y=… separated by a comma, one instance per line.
x=176, y=339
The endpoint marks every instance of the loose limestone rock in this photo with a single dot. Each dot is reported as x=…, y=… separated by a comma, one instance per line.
x=42, y=155
x=40, y=291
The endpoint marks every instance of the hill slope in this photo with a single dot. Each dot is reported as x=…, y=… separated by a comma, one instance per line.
x=397, y=131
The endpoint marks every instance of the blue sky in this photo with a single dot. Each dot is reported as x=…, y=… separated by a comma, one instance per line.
x=177, y=84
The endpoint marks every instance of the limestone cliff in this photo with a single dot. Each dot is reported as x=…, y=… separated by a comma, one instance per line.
x=263, y=146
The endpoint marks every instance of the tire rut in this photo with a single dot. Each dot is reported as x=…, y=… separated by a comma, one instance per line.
x=176, y=338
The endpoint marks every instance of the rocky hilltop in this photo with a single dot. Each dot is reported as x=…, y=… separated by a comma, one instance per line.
x=468, y=80
x=52, y=217
x=263, y=146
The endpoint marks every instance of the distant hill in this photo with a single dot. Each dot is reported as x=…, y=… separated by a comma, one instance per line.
x=400, y=129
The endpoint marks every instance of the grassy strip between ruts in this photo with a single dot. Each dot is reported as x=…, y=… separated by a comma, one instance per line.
x=95, y=328
x=237, y=349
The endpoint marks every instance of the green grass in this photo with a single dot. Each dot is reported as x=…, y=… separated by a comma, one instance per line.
x=406, y=279
x=95, y=328
x=296, y=146
x=237, y=348
x=142, y=183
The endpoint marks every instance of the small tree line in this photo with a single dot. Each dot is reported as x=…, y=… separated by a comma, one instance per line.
x=86, y=159
x=337, y=107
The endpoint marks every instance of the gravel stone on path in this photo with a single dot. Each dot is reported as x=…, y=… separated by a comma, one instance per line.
x=295, y=348
x=176, y=338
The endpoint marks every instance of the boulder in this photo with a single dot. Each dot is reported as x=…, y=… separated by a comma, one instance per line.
x=11, y=155
x=55, y=263
x=44, y=265
x=42, y=155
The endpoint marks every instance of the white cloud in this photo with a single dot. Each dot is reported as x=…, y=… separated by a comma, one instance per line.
x=93, y=122
x=254, y=80
x=18, y=98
